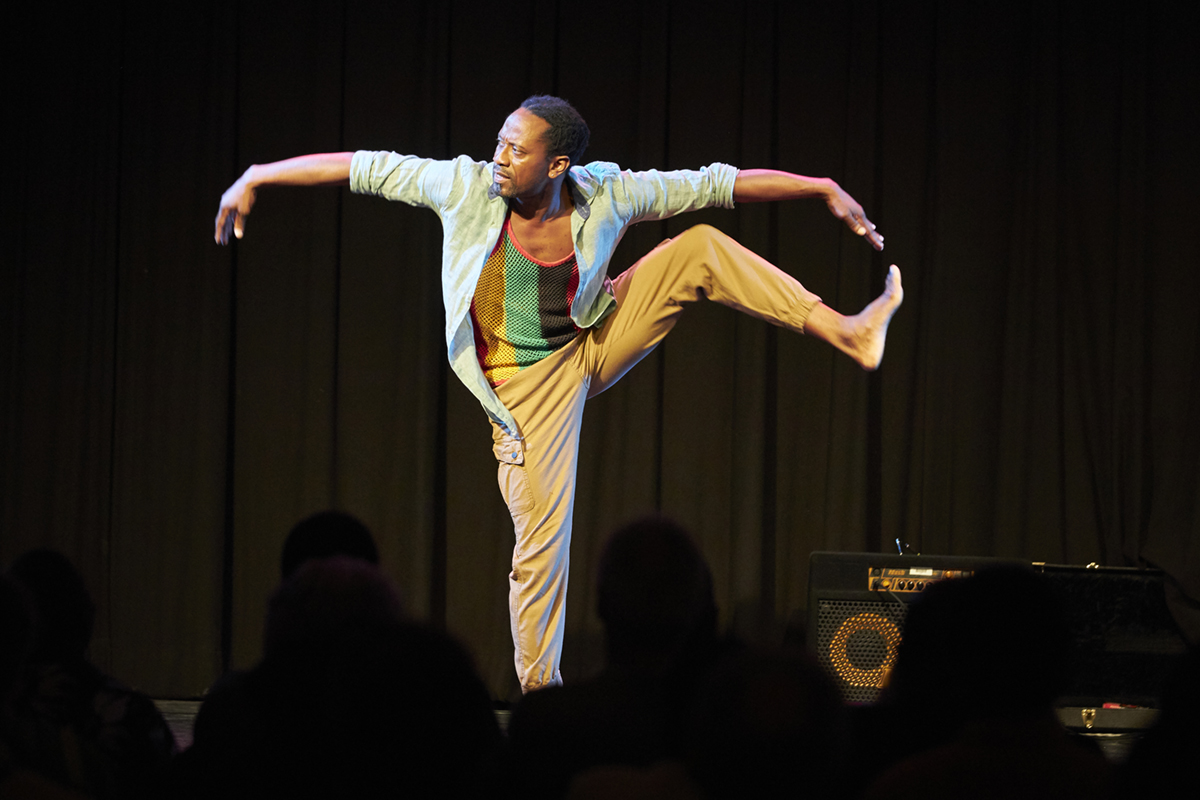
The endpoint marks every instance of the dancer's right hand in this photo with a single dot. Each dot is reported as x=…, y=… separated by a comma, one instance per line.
x=235, y=207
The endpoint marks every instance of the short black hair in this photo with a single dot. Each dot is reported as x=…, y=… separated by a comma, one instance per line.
x=324, y=535
x=653, y=587
x=568, y=135
x=63, y=612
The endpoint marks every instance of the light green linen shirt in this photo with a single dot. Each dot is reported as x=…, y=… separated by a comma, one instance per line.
x=607, y=201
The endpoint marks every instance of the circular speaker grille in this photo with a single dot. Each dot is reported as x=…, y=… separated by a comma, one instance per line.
x=857, y=643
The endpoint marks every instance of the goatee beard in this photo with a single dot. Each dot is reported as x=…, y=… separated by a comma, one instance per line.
x=495, y=190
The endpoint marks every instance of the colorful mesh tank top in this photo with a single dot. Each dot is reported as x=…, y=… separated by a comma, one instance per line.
x=521, y=309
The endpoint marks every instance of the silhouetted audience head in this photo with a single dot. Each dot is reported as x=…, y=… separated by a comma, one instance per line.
x=63, y=612
x=654, y=589
x=981, y=663
x=16, y=636
x=655, y=598
x=769, y=724
x=330, y=601
x=992, y=643
x=68, y=723
x=326, y=534
x=1163, y=760
x=350, y=700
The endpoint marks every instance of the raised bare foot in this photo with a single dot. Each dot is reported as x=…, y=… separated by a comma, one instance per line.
x=866, y=331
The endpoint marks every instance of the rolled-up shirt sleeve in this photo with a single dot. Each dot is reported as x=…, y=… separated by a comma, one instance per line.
x=656, y=194
x=417, y=181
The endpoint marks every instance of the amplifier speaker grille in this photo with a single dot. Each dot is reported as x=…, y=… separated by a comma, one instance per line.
x=857, y=642
x=857, y=607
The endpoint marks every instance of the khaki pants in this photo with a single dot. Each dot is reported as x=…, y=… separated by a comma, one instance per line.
x=537, y=473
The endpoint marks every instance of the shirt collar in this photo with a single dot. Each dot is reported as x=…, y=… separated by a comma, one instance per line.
x=583, y=188
x=582, y=184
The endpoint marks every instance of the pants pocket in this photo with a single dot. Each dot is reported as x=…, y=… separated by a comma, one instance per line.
x=514, y=487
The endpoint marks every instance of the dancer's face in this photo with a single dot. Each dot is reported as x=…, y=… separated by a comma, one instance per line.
x=522, y=167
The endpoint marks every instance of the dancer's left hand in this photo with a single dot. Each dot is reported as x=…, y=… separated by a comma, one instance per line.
x=847, y=209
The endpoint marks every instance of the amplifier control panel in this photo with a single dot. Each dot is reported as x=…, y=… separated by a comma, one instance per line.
x=912, y=579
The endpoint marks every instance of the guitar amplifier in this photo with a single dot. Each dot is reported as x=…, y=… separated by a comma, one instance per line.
x=857, y=604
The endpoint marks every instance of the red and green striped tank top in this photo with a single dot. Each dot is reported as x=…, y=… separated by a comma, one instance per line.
x=521, y=309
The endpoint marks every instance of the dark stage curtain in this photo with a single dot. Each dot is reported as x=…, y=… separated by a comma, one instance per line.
x=170, y=408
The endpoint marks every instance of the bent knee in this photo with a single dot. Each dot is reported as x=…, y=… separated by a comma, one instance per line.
x=701, y=232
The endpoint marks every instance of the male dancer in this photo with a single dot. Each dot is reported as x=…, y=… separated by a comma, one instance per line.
x=534, y=326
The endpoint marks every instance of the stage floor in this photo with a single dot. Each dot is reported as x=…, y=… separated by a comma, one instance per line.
x=180, y=714
x=1115, y=745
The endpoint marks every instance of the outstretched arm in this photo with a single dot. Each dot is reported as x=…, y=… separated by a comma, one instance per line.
x=761, y=185
x=322, y=169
